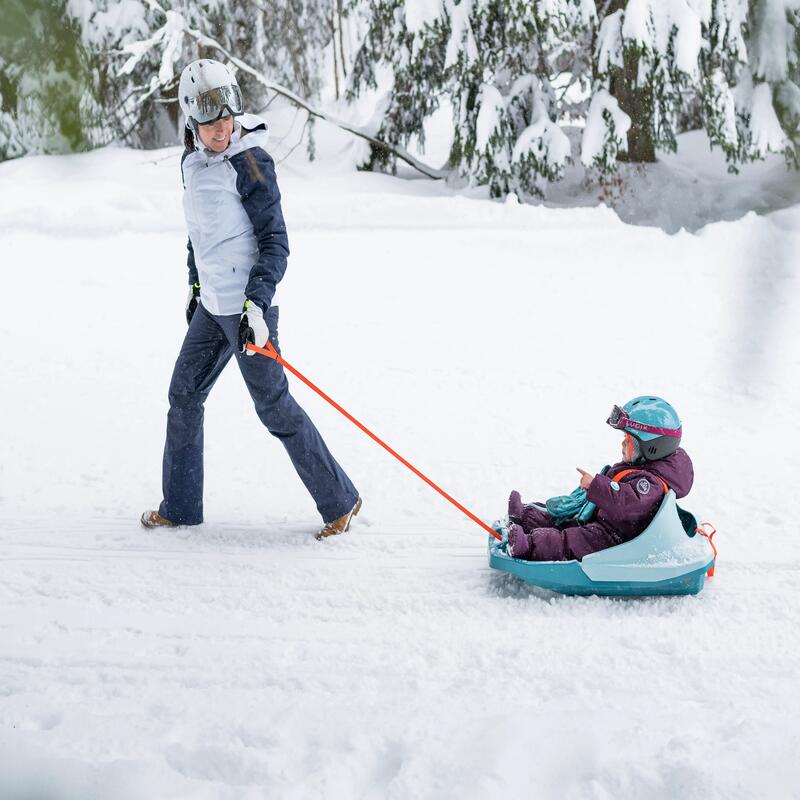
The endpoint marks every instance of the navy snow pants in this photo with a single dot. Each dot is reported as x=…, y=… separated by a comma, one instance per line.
x=209, y=344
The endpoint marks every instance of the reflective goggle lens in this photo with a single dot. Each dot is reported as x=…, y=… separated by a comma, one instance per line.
x=617, y=418
x=211, y=105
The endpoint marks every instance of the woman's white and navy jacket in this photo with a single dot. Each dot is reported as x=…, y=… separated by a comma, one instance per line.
x=237, y=237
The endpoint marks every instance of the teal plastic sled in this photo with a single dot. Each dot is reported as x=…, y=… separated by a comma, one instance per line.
x=667, y=558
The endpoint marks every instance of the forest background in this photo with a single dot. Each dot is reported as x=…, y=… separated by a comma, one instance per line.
x=526, y=88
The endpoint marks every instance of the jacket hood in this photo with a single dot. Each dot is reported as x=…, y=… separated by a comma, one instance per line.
x=250, y=122
x=676, y=469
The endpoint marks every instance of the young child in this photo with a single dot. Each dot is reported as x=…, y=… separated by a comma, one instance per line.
x=627, y=496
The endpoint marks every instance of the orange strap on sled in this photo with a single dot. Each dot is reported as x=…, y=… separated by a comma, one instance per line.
x=621, y=475
x=270, y=352
x=710, y=536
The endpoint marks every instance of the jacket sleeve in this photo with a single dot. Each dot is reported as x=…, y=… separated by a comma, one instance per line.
x=193, y=276
x=258, y=187
x=634, y=498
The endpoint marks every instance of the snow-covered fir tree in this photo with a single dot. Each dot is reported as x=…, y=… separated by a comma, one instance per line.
x=497, y=63
x=769, y=94
x=651, y=69
x=46, y=81
x=734, y=61
x=655, y=60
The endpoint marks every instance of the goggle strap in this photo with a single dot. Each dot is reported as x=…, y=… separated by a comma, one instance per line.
x=627, y=422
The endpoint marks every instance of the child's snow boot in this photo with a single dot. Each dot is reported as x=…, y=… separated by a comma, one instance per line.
x=515, y=506
x=340, y=525
x=152, y=519
x=518, y=545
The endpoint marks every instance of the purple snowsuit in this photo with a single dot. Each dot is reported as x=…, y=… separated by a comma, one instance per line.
x=624, y=510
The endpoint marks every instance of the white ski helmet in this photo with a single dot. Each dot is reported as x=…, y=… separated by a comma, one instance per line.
x=207, y=90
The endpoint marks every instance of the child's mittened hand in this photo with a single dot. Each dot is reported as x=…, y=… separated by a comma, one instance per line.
x=586, y=478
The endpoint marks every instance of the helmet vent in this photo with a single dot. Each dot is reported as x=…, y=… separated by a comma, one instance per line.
x=651, y=450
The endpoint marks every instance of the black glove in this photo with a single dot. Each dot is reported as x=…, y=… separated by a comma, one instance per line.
x=252, y=327
x=192, y=301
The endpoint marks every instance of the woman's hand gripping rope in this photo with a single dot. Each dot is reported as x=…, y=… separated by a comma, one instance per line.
x=252, y=328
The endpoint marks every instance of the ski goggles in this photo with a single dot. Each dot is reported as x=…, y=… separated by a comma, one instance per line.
x=210, y=106
x=619, y=420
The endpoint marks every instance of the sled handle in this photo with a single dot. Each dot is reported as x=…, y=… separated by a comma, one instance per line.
x=710, y=536
x=271, y=352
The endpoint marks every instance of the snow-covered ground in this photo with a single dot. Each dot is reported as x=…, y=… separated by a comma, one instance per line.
x=486, y=342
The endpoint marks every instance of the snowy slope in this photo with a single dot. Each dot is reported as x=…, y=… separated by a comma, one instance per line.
x=486, y=342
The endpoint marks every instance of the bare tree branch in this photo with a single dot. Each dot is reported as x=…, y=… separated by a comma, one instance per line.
x=298, y=143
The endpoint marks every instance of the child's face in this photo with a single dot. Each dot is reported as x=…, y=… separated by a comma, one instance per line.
x=627, y=448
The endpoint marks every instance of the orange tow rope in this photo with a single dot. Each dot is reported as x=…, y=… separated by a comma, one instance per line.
x=271, y=352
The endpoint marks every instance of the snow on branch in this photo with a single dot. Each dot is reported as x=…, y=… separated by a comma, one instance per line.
x=604, y=137
x=168, y=38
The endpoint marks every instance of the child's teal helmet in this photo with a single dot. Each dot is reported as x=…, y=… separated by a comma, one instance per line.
x=653, y=422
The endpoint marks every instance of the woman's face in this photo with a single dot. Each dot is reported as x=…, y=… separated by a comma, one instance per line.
x=216, y=136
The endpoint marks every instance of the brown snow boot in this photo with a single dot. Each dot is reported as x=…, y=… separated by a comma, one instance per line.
x=340, y=525
x=152, y=519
